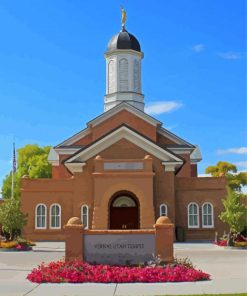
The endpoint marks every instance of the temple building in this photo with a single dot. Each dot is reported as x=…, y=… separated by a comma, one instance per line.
x=125, y=169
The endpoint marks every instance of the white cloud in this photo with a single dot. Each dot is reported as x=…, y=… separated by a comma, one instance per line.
x=230, y=55
x=169, y=128
x=240, y=150
x=242, y=164
x=157, y=108
x=198, y=47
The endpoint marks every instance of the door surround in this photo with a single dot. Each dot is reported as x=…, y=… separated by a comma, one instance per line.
x=124, y=206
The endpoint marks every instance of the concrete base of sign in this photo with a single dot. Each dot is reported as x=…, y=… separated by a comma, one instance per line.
x=119, y=247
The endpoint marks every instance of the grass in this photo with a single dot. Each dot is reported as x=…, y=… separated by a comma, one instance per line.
x=231, y=294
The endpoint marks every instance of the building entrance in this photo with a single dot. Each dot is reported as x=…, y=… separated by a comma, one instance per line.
x=124, y=212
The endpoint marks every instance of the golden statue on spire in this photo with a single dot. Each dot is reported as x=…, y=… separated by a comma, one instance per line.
x=124, y=17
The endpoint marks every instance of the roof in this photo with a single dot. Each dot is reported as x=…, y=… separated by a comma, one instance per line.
x=124, y=40
x=124, y=106
x=102, y=117
x=196, y=155
x=174, y=137
x=123, y=132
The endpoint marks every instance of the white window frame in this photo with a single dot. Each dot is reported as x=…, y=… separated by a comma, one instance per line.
x=36, y=216
x=163, y=205
x=212, y=209
x=86, y=227
x=188, y=214
x=60, y=213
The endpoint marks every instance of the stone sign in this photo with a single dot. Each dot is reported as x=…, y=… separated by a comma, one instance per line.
x=119, y=249
x=123, y=166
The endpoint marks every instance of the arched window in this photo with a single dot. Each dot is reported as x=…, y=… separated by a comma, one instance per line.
x=111, y=76
x=84, y=215
x=40, y=216
x=123, y=75
x=55, y=216
x=163, y=210
x=207, y=215
x=123, y=201
x=193, y=215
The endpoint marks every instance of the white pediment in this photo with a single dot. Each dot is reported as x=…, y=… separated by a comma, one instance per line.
x=174, y=137
x=124, y=132
x=124, y=106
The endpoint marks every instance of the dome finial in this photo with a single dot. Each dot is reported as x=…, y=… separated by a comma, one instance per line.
x=124, y=17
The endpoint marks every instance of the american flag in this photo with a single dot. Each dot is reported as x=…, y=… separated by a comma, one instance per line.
x=14, y=159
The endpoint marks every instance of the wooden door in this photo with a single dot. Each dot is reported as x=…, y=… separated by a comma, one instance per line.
x=124, y=218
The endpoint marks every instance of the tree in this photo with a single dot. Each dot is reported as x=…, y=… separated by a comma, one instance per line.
x=32, y=161
x=225, y=169
x=222, y=168
x=234, y=213
x=11, y=217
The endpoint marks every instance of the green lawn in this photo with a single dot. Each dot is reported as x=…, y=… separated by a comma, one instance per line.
x=239, y=294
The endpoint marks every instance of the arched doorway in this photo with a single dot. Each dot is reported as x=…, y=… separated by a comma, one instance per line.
x=124, y=212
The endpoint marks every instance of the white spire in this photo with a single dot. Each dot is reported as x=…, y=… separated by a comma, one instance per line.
x=123, y=72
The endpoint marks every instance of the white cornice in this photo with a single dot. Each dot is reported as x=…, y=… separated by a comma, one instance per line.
x=173, y=137
x=181, y=150
x=67, y=150
x=171, y=166
x=75, y=167
x=196, y=155
x=120, y=107
x=124, y=133
x=53, y=157
x=74, y=138
x=123, y=51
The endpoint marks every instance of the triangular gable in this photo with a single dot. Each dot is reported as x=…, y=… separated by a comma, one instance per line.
x=123, y=132
x=174, y=137
x=104, y=116
x=71, y=140
x=127, y=107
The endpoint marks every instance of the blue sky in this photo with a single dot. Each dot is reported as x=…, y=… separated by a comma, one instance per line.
x=52, y=70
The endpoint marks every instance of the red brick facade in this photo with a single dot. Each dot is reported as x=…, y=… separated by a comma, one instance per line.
x=155, y=173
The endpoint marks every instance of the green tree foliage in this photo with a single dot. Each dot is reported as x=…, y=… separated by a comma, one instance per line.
x=222, y=168
x=11, y=217
x=228, y=170
x=32, y=161
x=234, y=213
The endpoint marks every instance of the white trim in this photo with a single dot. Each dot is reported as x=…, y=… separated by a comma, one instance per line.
x=123, y=106
x=123, y=51
x=74, y=138
x=82, y=206
x=173, y=137
x=179, y=150
x=68, y=150
x=163, y=205
x=124, y=133
x=171, y=166
x=75, y=167
x=196, y=155
x=188, y=215
x=212, y=209
x=60, y=214
x=36, y=226
x=53, y=157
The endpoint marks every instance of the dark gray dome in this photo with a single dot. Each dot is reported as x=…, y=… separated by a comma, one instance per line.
x=124, y=40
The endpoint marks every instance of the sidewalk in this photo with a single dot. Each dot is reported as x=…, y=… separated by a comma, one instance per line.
x=227, y=267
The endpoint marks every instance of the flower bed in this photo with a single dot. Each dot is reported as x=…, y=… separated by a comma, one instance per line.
x=16, y=245
x=235, y=240
x=79, y=272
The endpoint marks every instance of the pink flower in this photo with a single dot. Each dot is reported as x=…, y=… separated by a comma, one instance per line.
x=79, y=272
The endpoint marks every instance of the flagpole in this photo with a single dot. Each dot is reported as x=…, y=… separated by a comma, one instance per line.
x=13, y=171
x=12, y=186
